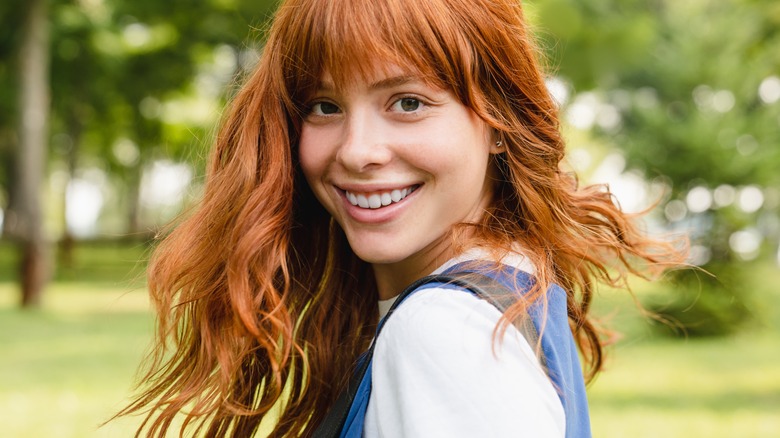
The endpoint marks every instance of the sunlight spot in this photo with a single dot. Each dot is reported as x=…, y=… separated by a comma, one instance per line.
x=723, y=101
x=699, y=255
x=582, y=112
x=769, y=90
x=699, y=199
x=125, y=151
x=150, y=107
x=608, y=117
x=702, y=96
x=750, y=199
x=724, y=195
x=83, y=203
x=580, y=159
x=165, y=183
x=558, y=89
x=136, y=35
x=746, y=243
x=675, y=210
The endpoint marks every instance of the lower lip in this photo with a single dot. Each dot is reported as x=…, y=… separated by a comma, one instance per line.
x=377, y=215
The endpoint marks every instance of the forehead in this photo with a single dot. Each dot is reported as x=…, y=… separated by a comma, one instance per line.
x=383, y=75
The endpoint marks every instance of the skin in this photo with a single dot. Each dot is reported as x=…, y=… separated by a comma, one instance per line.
x=395, y=132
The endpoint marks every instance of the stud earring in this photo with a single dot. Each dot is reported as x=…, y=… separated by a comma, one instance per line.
x=499, y=143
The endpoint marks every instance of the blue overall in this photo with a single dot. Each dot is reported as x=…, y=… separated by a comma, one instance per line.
x=558, y=347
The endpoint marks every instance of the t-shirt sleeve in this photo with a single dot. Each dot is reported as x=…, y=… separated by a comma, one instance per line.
x=437, y=372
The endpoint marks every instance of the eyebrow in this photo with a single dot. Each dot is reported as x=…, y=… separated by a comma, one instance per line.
x=391, y=82
x=381, y=84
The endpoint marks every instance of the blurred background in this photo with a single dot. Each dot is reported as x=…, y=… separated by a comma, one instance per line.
x=108, y=109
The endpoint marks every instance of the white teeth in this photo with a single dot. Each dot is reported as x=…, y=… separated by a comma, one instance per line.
x=386, y=199
x=378, y=200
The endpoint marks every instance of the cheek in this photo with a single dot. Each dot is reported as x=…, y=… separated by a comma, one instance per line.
x=311, y=157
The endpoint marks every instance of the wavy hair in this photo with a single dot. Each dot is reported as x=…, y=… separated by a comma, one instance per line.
x=261, y=305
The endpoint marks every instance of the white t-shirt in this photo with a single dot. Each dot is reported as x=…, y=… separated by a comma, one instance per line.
x=436, y=372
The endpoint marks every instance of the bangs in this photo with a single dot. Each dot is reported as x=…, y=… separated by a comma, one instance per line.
x=354, y=39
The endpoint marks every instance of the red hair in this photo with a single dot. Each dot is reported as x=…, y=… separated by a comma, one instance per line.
x=259, y=299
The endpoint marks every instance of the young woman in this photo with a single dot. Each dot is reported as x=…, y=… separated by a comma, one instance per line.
x=376, y=143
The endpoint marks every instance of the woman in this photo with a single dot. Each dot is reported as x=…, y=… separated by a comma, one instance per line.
x=375, y=143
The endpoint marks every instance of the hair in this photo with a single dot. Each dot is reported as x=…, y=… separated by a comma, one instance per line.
x=260, y=301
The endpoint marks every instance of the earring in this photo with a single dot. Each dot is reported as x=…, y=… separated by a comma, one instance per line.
x=499, y=143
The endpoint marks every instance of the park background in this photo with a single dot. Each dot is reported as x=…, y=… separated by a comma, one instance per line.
x=108, y=107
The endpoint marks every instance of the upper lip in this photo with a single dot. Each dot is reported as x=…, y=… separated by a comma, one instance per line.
x=374, y=187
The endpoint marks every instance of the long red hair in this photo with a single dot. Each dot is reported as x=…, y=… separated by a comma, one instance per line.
x=259, y=299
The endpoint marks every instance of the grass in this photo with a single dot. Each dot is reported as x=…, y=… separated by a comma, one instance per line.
x=67, y=367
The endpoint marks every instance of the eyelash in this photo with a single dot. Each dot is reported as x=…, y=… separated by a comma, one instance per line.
x=313, y=105
x=421, y=102
x=422, y=105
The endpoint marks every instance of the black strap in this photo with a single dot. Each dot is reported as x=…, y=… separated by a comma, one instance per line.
x=484, y=286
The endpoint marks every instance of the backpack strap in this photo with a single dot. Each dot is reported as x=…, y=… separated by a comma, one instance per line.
x=483, y=286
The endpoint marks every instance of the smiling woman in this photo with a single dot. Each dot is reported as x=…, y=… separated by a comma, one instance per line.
x=377, y=143
x=396, y=134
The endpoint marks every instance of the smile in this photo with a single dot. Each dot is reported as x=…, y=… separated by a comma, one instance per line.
x=376, y=200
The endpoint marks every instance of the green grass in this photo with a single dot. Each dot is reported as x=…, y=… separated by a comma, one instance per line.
x=67, y=367
x=715, y=387
x=70, y=365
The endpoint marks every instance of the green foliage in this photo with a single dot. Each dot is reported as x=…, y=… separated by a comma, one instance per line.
x=705, y=303
x=683, y=78
x=115, y=65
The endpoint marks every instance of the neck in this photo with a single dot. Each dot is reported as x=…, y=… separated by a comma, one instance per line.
x=392, y=278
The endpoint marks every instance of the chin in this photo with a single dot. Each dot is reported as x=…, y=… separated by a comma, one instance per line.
x=377, y=256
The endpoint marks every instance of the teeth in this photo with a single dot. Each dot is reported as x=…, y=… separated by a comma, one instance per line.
x=386, y=199
x=378, y=200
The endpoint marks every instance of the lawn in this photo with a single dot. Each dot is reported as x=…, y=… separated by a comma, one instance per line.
x=67, y=367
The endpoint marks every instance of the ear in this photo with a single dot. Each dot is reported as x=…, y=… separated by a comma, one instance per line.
x=498, y=145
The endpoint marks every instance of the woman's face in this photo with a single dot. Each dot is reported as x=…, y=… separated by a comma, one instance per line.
x=397, y=163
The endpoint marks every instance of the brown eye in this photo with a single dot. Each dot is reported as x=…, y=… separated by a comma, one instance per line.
x=409, y=104
x=324, y=108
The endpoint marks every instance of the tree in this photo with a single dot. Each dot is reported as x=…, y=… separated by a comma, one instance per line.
x=27, y=218
x=682, y=84
x=112, y=62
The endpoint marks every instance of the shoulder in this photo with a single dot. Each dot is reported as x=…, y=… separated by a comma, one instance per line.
x=436, y=367
x=443, y=319
x=445, y=323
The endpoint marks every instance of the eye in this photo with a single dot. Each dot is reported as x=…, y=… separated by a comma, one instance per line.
x=407, y=104
x=324, y=109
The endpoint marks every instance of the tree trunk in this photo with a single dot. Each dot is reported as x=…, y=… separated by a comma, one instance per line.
x=31, y=156
x=134, y=201
x=67, y=241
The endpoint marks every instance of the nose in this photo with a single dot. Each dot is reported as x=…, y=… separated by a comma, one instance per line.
x=364, y=146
